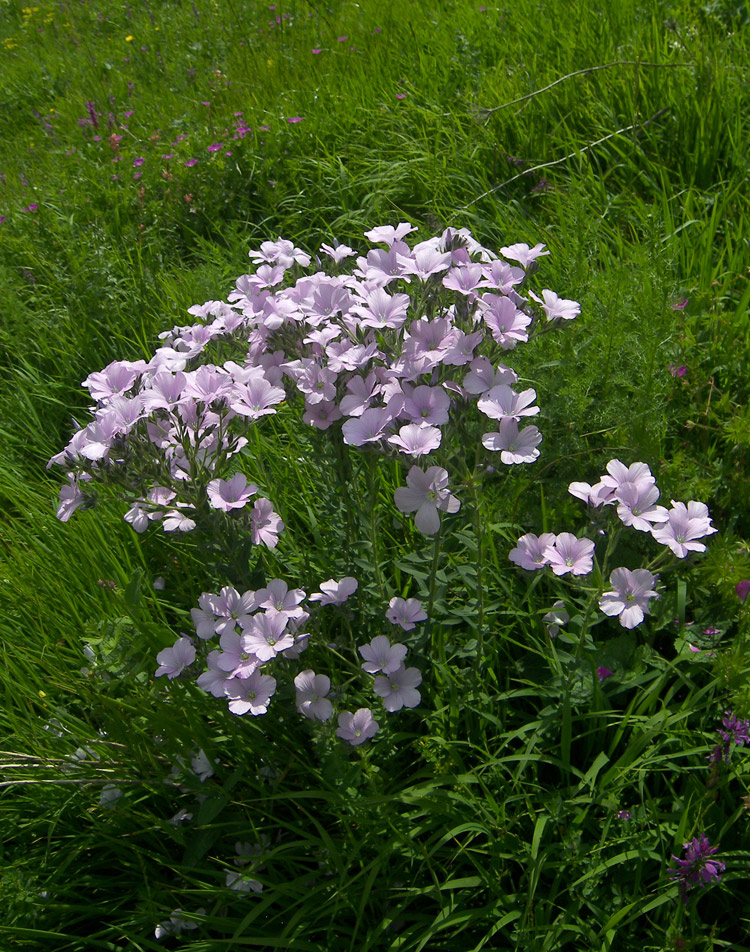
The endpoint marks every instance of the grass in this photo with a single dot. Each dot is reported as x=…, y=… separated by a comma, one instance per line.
x=489, y=817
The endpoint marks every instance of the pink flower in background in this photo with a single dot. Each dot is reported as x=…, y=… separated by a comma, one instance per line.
x=335, y=593
x=173, y=661
x=530, y=551
x=228, y=494
x=405, y=612
x=557, y=307
x=189, y=163
x=266, y=524
x=677, y=370
x=216, y=147
x=294, y=119
x=679, y=305
x=523, y=254
x=742, y=589
x=603, y=673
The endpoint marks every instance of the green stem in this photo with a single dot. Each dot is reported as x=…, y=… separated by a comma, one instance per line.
x=480, y=573
x=440, y=646
x=371, y=466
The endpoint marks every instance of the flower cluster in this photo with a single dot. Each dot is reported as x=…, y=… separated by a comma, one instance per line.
x=257, y=628
x=382, y=350
x=632, y=489
x=733, y=733
x=372, y=352
x=696, y=868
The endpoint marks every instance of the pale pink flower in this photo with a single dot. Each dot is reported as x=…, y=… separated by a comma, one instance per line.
x=266, y=635
x=637, y=505
x=381, y=655
x=335, y=593
x=557, y=307
x=502, y=402
x=570, y=555
x=399, y=688
x=356, y=728
x=684, y=525
x=416, y=440
x=426, y=493
x=311, y=697
x=515, y=446
x=631, y=596
x=173, y=661
x=523, y=254
x=266, y=524
x=506, y=323
x=389, y=234
x=405, y=612
x=529, y=553
x=233, y=493
x=251, y=694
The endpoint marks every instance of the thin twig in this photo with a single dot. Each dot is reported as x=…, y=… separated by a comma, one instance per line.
x=572, y=155
x=487, y=112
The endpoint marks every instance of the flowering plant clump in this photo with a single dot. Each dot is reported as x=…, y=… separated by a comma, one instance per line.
x=696, y=868
x=632, y=492
x=394, y=354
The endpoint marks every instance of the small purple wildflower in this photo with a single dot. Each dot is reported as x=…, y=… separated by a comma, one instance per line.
x=400, y=95
x=216, y=147
x=624, y=815
x=31, y=208
x=293, y=119
x=677, y=370
x=316, y=50
x=679, y=305
x=735, y=731
x=742, y=588
x=696, y=869
x=138, y=161
x=603, y=673
x=189, y=163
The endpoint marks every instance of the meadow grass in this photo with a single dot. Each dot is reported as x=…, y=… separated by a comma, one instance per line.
x=489, y=818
